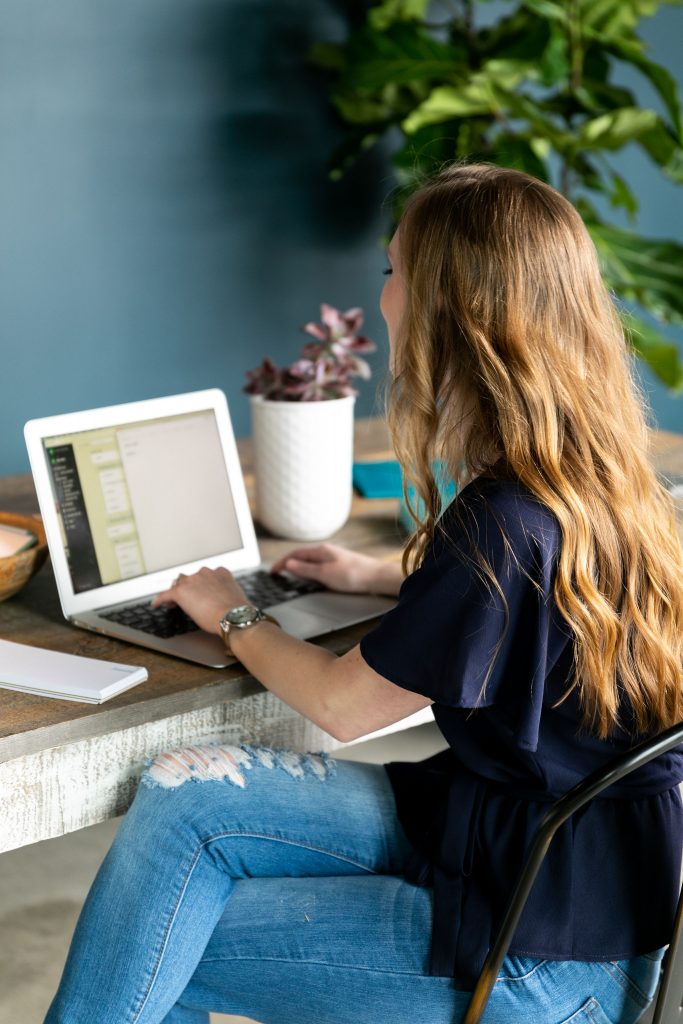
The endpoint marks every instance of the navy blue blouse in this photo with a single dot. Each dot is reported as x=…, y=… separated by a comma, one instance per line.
x=609, y=884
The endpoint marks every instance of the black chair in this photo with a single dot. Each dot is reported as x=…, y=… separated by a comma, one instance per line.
x=669, y=1001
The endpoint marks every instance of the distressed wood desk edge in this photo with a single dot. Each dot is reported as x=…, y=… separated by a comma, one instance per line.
x=60, y=789
x=220, y=691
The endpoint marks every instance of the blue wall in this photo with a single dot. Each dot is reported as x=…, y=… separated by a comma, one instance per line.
x=165, y=217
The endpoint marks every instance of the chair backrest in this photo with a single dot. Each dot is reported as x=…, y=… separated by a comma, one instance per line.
x=671, y=988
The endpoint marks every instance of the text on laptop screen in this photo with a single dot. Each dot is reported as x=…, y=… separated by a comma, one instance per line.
x=136, y=498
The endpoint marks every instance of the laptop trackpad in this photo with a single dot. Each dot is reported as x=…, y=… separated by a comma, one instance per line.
x=322, y=612
x=347, y=608
x=298, y=622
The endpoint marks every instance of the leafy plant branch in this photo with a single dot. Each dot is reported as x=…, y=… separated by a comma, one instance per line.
x=536, y=91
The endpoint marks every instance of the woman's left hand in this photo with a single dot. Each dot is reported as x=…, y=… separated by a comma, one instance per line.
x=205, y=596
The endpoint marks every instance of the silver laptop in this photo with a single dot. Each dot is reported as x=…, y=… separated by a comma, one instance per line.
x=131, y=495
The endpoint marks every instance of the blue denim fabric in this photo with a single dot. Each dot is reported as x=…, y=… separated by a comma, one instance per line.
x=256, y=882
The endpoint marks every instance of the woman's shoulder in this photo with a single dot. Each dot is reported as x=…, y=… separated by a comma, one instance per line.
x=501, y=491
x=489, y=507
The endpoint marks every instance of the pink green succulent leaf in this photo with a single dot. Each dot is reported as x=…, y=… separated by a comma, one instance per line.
x=316, y=330
x=353, y=319
x=303, y=368
x=360, y=368
x=265, y=378
x=331, y=317
x=312, y=350
x=361, y=344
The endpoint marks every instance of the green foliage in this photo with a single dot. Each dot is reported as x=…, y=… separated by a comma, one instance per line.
x=534, y=91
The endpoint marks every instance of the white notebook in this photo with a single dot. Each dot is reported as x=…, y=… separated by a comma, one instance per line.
x=67, y=676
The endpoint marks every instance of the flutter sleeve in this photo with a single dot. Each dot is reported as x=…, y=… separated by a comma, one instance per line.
x=441, y=636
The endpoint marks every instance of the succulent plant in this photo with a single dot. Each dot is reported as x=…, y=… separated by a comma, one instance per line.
x=324, y=367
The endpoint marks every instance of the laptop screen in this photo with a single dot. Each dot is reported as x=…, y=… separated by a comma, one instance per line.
x=137, y=498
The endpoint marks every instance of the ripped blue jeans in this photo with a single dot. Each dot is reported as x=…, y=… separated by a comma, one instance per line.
x=245, y=880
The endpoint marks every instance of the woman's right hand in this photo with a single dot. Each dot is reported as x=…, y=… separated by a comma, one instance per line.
x=335, y=567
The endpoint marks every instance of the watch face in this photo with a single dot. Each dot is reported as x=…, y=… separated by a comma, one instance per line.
x=244, y=613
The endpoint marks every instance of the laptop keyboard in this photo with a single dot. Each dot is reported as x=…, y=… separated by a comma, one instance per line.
x=265, y=588
x=261, y=587
x=164, y=621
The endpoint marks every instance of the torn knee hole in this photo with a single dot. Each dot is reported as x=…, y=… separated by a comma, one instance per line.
x=228, y=764
x=175, y=767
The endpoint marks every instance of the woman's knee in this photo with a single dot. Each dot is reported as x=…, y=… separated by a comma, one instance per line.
x=202, y=790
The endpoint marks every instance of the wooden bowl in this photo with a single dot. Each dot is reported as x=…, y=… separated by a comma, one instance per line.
x=16, y=570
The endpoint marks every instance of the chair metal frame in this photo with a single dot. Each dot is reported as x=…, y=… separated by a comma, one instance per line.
x=669, y=1008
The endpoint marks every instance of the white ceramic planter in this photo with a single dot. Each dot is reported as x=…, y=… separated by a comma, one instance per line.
x=303, y=461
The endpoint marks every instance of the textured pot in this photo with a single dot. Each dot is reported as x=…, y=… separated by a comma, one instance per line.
x=303, y=462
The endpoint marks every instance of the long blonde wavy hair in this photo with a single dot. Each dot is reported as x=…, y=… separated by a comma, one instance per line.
x=511, y=361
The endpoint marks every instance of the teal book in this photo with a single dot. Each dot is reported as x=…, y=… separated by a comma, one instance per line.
x=385, y=480
x=378, y=479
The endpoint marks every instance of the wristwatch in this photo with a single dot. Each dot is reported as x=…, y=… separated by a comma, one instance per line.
x=241, y=617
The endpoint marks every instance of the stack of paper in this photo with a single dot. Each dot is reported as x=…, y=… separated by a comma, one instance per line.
x=67, y=676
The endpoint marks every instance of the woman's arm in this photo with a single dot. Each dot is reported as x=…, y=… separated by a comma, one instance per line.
x=342, y=695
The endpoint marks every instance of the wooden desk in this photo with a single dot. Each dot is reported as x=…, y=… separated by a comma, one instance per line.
x=65, y=765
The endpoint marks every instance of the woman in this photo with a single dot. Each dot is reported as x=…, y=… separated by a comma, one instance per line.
x=541, y=615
